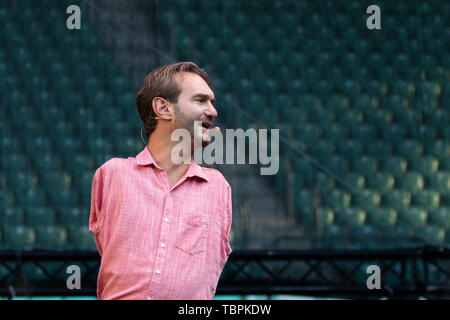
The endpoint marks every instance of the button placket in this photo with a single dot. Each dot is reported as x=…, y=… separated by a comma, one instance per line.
x=161, y=251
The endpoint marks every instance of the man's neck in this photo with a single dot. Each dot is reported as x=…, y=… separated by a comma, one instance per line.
x=160, y=147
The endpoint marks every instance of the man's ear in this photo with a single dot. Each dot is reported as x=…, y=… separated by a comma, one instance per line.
x=162, y=108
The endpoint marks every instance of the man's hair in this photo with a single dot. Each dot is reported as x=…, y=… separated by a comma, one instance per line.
x=160, y=82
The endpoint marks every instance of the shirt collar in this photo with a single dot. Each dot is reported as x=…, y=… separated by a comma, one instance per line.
x=145, y=158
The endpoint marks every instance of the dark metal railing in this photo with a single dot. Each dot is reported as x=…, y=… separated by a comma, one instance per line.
x=404, y=273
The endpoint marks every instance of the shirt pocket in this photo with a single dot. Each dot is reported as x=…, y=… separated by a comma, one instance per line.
x=191, y=237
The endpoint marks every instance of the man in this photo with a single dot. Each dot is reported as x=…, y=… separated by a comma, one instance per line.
x=162, y=229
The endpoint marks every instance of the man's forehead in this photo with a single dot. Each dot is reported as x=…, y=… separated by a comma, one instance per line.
x=193, y=83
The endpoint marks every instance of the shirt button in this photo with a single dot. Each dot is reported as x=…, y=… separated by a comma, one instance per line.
x=166, y=219
x=149, y=298
x=163, y=244
x=158, y=271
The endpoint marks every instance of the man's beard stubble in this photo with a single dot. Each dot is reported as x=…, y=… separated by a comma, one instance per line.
x=184, y=122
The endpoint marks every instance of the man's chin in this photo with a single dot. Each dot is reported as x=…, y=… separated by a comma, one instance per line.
x=205, y=143
x=206, y=139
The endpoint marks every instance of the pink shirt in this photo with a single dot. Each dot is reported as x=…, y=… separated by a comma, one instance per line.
x=158, y=242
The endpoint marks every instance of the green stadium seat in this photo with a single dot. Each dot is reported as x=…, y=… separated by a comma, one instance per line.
x=393, y=133
x=325, y=183
x=349, y=147
x=38, y=146
x=21, y=181
x=374, y=87
x=31, y=197
x=410, y=149
x=305, y=216
x=99, y=145
x=394, y=165
x=11, y=216
x=3, y=181
x=7, y=198
x=53, y=114
x=56, y=180
x=110, y=115
x=381, y=182
x=119, y=129
x=440, y=149
x=429, y=89
x=364, y=165
x=19, y=237
x=8, y=146
x=44, y=98
x=379, y=118
x=63, y=84
x=365, y=237
x=356, y=181
x=438, y=119
x=398, y=236
x=434, y=234
x=397, y=199
x=440, y=182
x=79, y=238
x=364, y=132
x=336, y=200
x=321, y=116
x=73, y=216
x=89, y=130
x=39, y=216
x=424, y=134
x=308, y=133
x=67, y=146
x=82, y=116
x=410, y=118
x=304, y=200
x=404, y=88
x=412, y=182
x=336, y=164
x=334, y=131
x=382, y=218
x=322, y=149
x=77, y=164
x=128, y=147
x=334, y=237
x=379, y=149
x=350, y=118
x=440, y=217
x=61, y=130
x=426, y=165
x=366, y=104
x=33, y=128
x=295, y=87
x=351, y=217
x=366, y=199
x=426, y=199
x=46, y=160
x=413, y=217
x=327, y=217
x=63, y=198
x=50, y=237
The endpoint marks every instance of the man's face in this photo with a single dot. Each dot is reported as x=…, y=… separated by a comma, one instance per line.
x=195, y=103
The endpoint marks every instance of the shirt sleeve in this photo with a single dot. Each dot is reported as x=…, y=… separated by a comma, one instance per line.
x=228, y=216
x=96, y=216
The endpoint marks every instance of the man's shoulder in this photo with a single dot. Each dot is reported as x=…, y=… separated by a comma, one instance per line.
x=116, y=164
x=215, y=176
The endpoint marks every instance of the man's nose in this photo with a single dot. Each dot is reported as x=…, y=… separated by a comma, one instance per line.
x=211, y=111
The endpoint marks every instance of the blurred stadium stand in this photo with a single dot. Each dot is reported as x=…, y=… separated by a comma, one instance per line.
x=363, y=115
